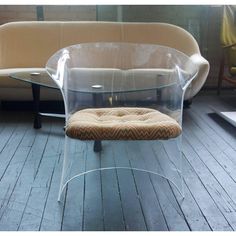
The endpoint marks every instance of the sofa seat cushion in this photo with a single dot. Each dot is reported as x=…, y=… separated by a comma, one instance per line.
x=122, y=123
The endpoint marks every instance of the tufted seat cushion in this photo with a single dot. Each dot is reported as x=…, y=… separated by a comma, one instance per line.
x=121, y=124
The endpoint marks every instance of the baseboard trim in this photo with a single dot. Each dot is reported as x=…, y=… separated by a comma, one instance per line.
x=45, y=106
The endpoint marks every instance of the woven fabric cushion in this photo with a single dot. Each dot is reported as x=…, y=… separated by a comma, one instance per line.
x=121, y=124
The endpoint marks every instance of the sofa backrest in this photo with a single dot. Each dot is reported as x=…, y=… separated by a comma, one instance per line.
x=30, y=44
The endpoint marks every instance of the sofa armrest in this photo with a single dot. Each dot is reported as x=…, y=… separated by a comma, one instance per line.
x=203, y=70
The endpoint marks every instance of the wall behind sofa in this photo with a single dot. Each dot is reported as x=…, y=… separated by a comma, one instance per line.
x=202, y=21
x=27, y=13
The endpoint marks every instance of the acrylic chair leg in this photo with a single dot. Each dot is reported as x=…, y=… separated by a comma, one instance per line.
x=181, y=169
x=63, y=169
x=182, y=179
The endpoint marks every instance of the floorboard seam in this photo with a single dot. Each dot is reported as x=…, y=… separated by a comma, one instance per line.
x=209, y=192
x=17, y=180
x=117, y=179
x=138, y=195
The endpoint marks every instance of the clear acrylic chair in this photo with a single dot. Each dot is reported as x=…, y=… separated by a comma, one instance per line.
x=123, y=105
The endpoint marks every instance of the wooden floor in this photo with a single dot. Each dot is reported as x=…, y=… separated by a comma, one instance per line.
x=30, y=168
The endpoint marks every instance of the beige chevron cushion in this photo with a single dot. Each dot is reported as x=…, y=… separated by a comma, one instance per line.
x=121, y=124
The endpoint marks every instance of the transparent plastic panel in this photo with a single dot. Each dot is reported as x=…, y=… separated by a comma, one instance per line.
x=98, y=75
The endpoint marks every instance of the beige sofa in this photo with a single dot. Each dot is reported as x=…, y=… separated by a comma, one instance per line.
x=28, y=45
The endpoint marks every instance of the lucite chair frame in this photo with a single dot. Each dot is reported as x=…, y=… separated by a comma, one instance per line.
x=128, y=75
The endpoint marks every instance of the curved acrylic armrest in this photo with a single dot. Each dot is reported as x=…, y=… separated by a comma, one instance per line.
x=203, y=70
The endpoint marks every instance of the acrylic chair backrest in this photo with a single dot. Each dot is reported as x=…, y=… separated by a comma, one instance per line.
x=124, y=72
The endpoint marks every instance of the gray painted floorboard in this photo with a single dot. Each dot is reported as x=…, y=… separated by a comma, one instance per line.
x=119, y=199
